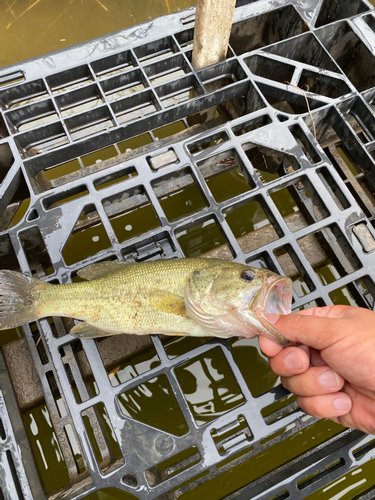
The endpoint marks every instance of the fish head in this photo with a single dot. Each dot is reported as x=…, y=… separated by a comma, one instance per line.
x=233, y=300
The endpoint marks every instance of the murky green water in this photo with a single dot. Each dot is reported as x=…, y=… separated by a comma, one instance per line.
x=32, y=27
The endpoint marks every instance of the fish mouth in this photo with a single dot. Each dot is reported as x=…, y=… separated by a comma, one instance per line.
x=274, y=296
x=278, y=299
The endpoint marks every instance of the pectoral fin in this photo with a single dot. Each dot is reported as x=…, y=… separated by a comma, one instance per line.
x=85, y=331
x=100, y=269
x=167, y=302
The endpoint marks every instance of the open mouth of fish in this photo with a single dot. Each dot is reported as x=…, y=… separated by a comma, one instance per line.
x=279, y=298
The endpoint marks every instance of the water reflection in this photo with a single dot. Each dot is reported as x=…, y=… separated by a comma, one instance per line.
x=209, y=386
x=201, y=238
x=132, y=368
x=153, y=403
x=254, y=366
x=46, y=448
x=228, y=184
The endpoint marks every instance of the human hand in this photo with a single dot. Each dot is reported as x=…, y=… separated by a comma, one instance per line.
x=332, y=367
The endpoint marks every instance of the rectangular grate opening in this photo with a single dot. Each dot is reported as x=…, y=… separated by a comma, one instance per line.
x=250, y=125
x=270, y=27
x=99, y=156
x=167, y=69
x=53, y=173
x=153, y=51
x=118, y=63
x=89, y=123
x=293, y=267
x=65, y=197
x=130, y=213
x=328, y=469
x=79, y=371
x=305, y=144
x=342, y=259
x=221, y=75
x=117, y=177
x=179, y=195
x=199, y=239
x=13, y=470
x=79, y=100
x=69, y=80
x=179, y=91
x=231, y=435
x=135, y=106
x=332, y=187
x=41, y=140
x=207, y=142
x=23, y=94
x=31, y=116
x=270, y=68
x=358, y=67
x=279, y=410
x=247, y=219
x=103, y=438
x=36, y=251
x=124, y=85
x=226, y=175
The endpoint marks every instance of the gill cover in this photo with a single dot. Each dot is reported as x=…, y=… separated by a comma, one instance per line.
x=214, y=297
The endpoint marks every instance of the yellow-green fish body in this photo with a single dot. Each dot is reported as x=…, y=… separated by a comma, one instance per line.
x=196, y=297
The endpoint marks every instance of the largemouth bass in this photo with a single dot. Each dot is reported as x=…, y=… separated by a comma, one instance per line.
x=196, y=297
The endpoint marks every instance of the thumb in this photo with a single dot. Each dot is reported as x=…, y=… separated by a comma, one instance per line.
x=318, y=327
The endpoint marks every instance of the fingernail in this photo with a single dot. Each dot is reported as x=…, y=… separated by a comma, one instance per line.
x=342, y=404
x=293, y=361
x=329, y=379
x=272, y=318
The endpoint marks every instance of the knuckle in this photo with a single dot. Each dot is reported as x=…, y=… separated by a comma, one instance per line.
x=287, y=383
x=297, y=320
x=312, y=406
x=301, y=385
x=276, y=365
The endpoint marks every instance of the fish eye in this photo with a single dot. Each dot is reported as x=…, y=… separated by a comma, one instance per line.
x=247, y=275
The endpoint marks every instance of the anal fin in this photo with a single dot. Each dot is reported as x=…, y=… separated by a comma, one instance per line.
x=85, y=331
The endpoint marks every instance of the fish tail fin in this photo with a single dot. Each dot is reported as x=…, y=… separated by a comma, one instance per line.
x=18, y=303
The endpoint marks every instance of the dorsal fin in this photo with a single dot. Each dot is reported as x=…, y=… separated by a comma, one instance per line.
x=100, y=269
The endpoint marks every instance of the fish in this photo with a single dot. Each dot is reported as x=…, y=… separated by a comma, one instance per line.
x=198, y=297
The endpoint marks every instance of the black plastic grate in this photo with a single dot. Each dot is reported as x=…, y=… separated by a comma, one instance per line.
x=103, y=156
